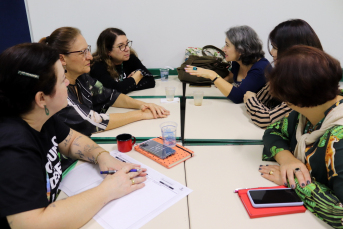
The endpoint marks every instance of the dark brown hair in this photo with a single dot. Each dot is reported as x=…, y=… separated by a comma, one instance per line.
x=17, y=92
x=104, y=44
x=305, y=77
x=61, y=39
x=293, y=32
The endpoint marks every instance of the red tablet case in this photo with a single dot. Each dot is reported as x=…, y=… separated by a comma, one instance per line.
x=263, y=212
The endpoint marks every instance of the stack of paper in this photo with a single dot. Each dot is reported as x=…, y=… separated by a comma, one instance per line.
x=133, y=210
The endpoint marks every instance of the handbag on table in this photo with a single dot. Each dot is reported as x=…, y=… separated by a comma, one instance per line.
x=208, y=57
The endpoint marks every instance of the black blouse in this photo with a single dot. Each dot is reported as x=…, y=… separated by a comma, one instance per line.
x=99, y=72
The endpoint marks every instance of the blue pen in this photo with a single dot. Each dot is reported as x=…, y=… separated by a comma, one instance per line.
x=114, y=171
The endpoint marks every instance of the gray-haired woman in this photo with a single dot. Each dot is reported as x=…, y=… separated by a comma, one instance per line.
x=244, y=48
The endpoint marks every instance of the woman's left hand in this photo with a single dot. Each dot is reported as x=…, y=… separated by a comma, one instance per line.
x=107, y=162
x=134, y=72
x=156, y=110
x=131, y=74
x=272, y=173
x=201, y=72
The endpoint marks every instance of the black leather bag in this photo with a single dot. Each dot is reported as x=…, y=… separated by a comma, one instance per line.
x=215, y=63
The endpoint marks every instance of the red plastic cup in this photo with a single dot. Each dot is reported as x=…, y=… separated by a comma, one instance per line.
x=125, y=142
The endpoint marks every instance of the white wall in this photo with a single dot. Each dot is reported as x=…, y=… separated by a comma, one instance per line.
x=161, y=30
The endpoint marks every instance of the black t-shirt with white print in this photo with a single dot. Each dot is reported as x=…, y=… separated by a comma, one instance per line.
x=30, y=168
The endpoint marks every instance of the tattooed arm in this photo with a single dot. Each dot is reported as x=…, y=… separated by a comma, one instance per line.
x=77, y=210
x=79, y=146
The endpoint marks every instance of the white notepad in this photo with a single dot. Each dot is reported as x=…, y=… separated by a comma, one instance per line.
x=135, y=209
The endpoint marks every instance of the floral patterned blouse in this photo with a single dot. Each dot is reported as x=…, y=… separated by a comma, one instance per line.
x=324, y=160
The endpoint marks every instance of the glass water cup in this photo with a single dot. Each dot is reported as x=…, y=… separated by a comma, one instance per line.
x=168, y=130
x=198, y=97
x=170, y=92
x=164, y=74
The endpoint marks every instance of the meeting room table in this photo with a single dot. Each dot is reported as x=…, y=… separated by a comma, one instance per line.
x=159, y=90
x=219, y=121
x=174, y=217
x=228, y=152
x=144, y=129
x=215, y=172
x=210, y=92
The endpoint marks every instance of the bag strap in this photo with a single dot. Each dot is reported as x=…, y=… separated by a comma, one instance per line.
x=213, y=47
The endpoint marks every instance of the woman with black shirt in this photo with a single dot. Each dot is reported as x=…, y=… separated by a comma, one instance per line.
x=116, y=66
x=33, y=87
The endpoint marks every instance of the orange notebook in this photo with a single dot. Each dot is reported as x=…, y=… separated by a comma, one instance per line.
x=181, y=154
x=263, y=212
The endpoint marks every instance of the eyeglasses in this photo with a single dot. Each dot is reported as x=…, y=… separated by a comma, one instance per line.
x=85, y=51
x=122, y=47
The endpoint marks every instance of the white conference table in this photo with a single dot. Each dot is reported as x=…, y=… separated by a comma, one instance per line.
x=215, y=172
x=174, y=217
x=159, y=89
x=144, y=129
x=221, y=121
x=213, y=92
x=209, y=92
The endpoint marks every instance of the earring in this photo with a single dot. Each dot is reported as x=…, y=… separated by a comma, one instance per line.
x=46, y=110
x=65, y=69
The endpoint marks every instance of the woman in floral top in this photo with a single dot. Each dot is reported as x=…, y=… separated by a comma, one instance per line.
x=307, y=143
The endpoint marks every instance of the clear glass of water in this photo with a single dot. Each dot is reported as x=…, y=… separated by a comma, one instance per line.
x=164, y=74
x=170, y=92
x=168, y=130
x=198, y=97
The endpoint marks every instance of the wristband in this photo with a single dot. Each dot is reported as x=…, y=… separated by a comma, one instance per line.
x=96, y=159
x=215, y=79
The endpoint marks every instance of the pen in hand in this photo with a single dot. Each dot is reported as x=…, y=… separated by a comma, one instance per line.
x=114, y=171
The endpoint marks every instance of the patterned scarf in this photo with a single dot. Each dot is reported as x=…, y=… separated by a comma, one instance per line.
x=334, y=118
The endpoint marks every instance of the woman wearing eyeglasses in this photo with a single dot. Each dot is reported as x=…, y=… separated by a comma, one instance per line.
x=32, y=89
x=116, y=66
x=88, y=99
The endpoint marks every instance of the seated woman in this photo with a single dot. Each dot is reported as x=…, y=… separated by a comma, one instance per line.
x=308, y=142
x=88, y=100
x=116, y=66
x=32, y=90
x=244, y=49
x=263, y=108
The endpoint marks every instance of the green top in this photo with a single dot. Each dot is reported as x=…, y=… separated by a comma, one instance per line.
x=324, y=160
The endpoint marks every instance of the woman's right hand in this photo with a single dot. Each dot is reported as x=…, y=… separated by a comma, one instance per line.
x=201, y=72
x=151, y=111
x=121, y=184
x=295, y=167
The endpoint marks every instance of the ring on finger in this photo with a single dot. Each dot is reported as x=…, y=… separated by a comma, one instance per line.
x=132, y=181
x=195, y=68
x=271, y=172
x=297, y=169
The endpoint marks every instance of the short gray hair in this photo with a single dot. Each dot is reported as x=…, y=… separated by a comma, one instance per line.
x=246, y=42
